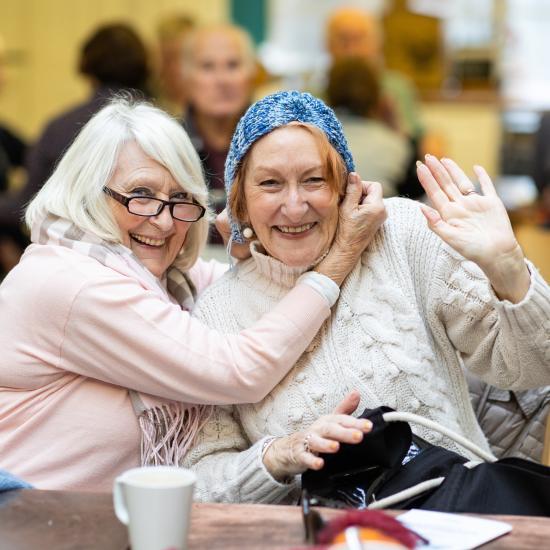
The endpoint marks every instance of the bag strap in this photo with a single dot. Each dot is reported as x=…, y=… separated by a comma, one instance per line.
x=405, y=494
x=429, y=484
x=413, y=491
x=430, y=424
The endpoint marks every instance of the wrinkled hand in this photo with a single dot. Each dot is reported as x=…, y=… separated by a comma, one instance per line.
x=477, y=226
x=238, y=251
x=294, y=454
x=361, y=214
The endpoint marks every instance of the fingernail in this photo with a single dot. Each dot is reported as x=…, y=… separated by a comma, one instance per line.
x=367, y=424
x=419, y=164
x=428, y=156
x=357, y=436
x=334, y=446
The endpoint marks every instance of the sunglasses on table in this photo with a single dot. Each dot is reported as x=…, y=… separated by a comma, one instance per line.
x=184, y=211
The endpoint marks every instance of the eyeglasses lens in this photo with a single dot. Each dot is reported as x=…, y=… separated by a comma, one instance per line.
x=187, y=212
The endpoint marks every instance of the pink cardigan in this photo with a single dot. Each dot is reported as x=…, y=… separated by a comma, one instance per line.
x=74, y=335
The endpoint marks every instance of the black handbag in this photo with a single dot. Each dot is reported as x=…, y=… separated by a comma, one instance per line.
x=391, y=467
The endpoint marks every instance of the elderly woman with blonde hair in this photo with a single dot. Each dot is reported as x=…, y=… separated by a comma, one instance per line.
x=423, y=300
x=99, y=352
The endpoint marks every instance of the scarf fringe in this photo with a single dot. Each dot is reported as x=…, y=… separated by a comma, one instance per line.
x=169, y=431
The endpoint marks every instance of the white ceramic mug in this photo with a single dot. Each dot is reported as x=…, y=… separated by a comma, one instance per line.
x=155, y=503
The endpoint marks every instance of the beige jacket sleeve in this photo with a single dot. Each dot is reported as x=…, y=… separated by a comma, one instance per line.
x=505, y=344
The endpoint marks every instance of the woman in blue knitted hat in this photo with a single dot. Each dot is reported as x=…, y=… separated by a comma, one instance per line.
x=436, y=288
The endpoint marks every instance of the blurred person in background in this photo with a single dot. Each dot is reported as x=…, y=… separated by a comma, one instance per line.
x=219, y=69
x=381, y=153
x=354, y=32
x=12, y=156
x=112, y=59
x=171, y=90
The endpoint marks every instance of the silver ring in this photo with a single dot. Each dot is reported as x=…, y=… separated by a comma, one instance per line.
x=470, y=192
x=307, y=448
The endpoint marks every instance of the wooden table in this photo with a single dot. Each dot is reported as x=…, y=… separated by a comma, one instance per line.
x=59, y=520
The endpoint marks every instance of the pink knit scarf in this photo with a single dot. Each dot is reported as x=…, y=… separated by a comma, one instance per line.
x=168, y=428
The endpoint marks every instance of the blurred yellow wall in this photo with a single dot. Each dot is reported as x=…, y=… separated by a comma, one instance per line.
x=471, y=132
x=43, y=38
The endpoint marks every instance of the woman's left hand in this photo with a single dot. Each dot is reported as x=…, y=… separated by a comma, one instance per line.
x=477, y=226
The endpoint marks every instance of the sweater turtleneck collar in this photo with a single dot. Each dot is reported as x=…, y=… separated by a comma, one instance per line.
x=270, y=268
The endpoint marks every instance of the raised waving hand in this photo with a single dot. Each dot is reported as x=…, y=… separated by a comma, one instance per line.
x=475, y=224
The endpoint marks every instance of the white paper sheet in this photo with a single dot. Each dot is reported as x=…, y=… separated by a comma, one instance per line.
x=453, y=531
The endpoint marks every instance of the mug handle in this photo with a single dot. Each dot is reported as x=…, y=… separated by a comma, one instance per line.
x=118, y=502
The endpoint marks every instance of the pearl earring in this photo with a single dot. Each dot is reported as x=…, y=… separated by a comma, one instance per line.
x=248, y=233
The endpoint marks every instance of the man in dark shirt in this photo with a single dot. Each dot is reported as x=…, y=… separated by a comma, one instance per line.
x=218, y=69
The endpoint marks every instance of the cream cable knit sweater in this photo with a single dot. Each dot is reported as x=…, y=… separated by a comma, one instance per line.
x=404, y=312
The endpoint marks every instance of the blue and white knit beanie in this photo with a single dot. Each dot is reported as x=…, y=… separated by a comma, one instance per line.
x=272, y=112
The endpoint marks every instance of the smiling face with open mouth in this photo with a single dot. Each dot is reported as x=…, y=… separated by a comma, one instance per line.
x=289, y=202
x=155, y=240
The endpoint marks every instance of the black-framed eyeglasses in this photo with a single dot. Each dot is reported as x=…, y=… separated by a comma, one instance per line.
x=184, y=211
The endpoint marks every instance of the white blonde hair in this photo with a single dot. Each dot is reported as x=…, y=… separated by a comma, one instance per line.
x=75, y=189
